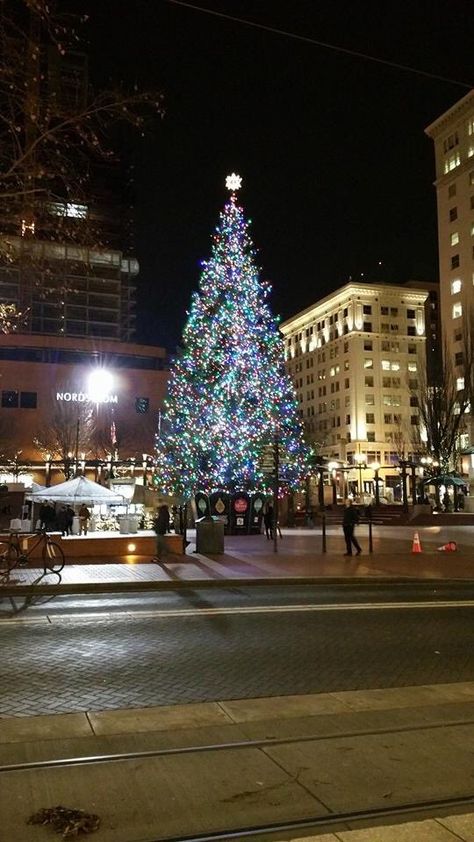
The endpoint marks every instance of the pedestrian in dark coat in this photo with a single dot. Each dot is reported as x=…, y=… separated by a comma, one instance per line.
x=268, y=522
x=349, y=521
x=69, y=519
x=161, y=525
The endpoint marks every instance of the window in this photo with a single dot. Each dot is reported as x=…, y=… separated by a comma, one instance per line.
x=142, y=405
x=385, y=345
x=394, y=311
x=470, y=126
x=471, y=177
x=384, y=327
x=455, y=238
x=457, y=310
x=457, y=335
x=455, y=261
x=371, y=436
x=412, y=349
x=368, y=363
x=369, y=381
x=396, y=382
x=9, y=400
x=28, y=400
x=368, y=345
x=414, y=419
x=453, y=214
x=384, y=311
x=411, y=330
x=367, y=310
x=451, y=162
x=386, y=382
x=411, y=314
x=456, y=286
x=413, y=384
x=387, y=419
x=451, y=190
x=348, y=419
x=346, y=383
x=459, y=358
x=367, y=326
x=412, y=367
x=346, y=347
x=460, y=384
x=386, y=365
x=346, y=365
x=413, y=400
x=370, y=400
x=451, y=141
x=394, y=328
x=369, y=418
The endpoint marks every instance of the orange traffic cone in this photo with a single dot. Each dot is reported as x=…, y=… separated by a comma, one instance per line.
x=450, y=547
x=416, y=546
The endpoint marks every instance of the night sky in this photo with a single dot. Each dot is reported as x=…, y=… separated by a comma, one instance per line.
x=337, y=170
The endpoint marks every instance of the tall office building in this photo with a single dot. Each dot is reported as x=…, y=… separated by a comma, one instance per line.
x=354, y=358
x=65, y=259
x=453, y=136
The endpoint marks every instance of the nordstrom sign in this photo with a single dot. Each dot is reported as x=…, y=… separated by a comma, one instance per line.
x=84, y=397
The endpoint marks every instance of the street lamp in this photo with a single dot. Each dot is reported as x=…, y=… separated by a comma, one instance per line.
x=332, y=467
x=361, y=463
x=376, y=468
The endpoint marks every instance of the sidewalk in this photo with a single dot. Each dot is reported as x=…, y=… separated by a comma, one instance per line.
x=250, y=560
x=222, y=766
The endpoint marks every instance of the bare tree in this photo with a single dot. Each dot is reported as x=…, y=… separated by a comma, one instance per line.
x=66, y=433
x=444, y=407
x=47, y=135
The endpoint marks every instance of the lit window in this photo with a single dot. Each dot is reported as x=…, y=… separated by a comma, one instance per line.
x=452, y=161
x=457, y=310
x=460, y=383
x=472, y=229
x=368, y=363
x=455, y=238
x=412, y=367
x=470, y=151
x=395, y=366
x=71, y=209
x=386, y=365
x=470, y=125
x=456, y=286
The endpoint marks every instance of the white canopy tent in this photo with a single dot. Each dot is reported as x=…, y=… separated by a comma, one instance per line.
x=79, y=490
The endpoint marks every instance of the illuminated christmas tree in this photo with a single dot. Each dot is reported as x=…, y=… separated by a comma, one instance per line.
x=229, y=396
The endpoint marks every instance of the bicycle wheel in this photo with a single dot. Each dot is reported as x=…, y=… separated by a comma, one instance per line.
x=53, y=556
x=8, y=556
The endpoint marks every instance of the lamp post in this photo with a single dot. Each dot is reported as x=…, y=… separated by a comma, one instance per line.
x=332, y=467
x=376, y=468
x=403, y=474
x=361, y=463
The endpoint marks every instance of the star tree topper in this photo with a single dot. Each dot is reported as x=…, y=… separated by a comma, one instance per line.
x=233, y=182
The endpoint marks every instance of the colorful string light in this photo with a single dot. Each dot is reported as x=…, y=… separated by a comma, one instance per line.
x=228, y=392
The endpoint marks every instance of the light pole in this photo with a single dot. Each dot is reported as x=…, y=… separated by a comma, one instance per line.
x=360, y=459
x=376, y=468
x=332, y=467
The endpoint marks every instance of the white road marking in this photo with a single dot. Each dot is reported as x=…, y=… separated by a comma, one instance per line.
x=163, y=614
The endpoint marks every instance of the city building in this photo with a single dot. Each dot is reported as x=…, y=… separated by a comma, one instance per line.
x=47, y=381
x=355, y=359
x=453, y=136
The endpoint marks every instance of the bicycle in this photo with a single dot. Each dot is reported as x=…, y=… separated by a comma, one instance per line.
x=12, y=554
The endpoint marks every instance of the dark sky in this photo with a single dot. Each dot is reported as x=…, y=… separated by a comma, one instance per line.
x=337, y=170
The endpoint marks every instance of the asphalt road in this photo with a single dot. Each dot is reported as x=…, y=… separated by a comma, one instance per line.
x=67, y=654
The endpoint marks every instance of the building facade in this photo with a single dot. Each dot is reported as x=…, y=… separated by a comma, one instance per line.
x=355, y=359
x=453, y=137
x=109, y=392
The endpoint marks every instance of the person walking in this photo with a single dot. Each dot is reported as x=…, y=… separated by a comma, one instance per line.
x=84, y=517
x=349, y=521
x=161, y=525
x=268, y=521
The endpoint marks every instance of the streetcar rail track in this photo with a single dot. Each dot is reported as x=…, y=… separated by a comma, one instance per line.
x=238, y=745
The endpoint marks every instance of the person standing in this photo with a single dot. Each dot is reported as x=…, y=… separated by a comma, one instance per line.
x=61, y=520
x=69, y=519
x=268, y=521
x=349, y=522
x=161, y=525
x=84, y=517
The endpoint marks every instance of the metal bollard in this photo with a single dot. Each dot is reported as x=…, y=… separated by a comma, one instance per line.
x=323, y=516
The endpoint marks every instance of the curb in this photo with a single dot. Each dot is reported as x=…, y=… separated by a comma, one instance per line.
x=121, y=587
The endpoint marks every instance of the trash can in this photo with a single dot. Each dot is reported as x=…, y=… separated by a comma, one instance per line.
x=123, y=525
x=209, y=535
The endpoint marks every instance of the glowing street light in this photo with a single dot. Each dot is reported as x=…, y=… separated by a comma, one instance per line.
x=99, y=384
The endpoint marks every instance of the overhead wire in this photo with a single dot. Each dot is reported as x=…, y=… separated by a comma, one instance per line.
x=324, y=44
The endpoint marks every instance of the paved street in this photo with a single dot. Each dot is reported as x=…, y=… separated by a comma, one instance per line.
x=76, y=654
